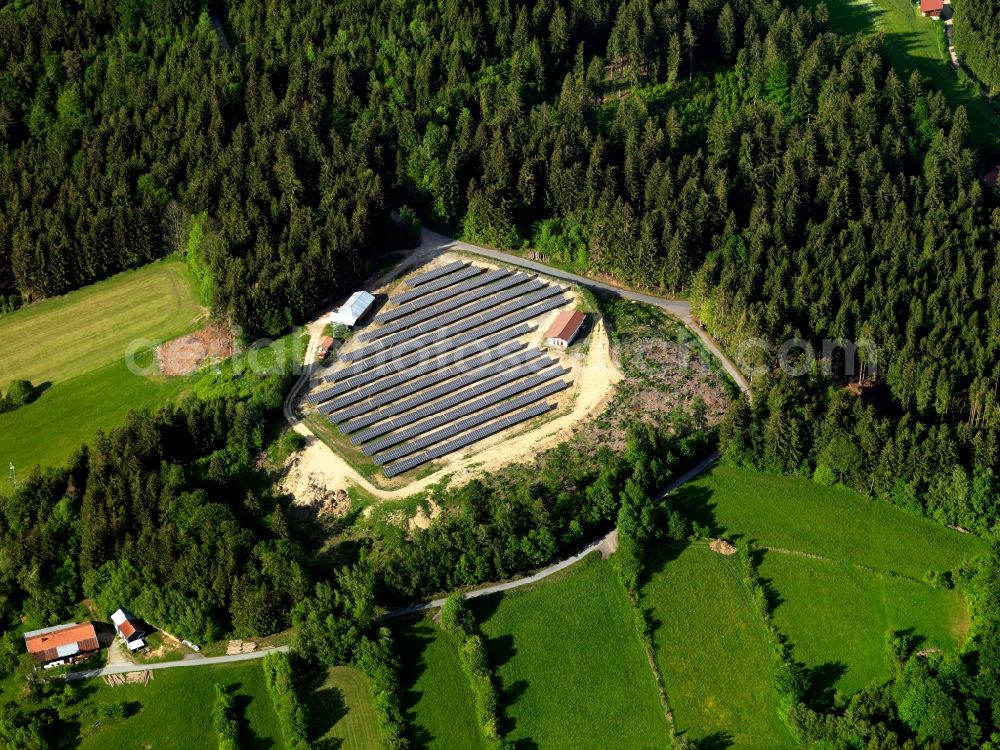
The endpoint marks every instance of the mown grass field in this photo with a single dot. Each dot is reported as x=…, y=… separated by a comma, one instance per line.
x=175, y=711
x=437, y=699
x=341, y=713
x=57, y=339
x=69, y=414
x=712, y=651
x=572, y=669
x=844, y=570
x=801, y=515
x=837, y=617
x=912, y=43
x=74, y=348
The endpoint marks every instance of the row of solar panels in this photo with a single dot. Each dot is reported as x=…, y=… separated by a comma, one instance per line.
x=478, y=280
x=402, y=428
x=427, y=384
x=435, y=317
x=450, y=446
x=534, y=301
x=418, y=380
x=492, y=376
x=475, y=419
x=383, y=365
x=433, y=286
x=426, y=360
x=455, y=310
x=423, y=278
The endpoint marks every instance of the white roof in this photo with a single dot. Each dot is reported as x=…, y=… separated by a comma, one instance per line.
x=68, y=649
x=136, y=644
x=119, y=617
x=356, y=306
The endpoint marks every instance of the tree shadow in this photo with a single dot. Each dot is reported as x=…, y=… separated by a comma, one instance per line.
x=772, y=596
x=714, y=741
x=822, y=681
x=325, y=705
x=411, y=642
x=248, y=738
x=693, y=502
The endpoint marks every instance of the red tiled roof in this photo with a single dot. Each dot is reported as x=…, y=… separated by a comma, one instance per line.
x=566, y=324
x=930, y=6
x=127, y=629
x=43, y=646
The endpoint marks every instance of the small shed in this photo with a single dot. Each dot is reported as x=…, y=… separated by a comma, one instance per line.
x=129, y=628
x=564, y=329
x=353, y=310
x=931, y=8
x=61, y=643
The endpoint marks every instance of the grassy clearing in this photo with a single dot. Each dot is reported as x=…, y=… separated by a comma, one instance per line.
x=174, y=711
x=837, y=617
x=69, y=414
x=341, y=712
x=60, y=338
x=572, y=669
x=437, y=699
x=912, y=43
x=712, y=651
x=801, y=515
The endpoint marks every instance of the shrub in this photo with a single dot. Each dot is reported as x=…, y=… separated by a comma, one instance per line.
x=224, y=720
x=291, y=713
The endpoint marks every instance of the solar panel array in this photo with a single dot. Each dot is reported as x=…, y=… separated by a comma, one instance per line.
x=419, y=377
x=475, y=420
x=481, y=313
x=401, y=428
x=423, y=278
x=491, y=376
x=480, y=433
x=478, y=280
x=445, y=367
x=433, y=286
x=433, y=314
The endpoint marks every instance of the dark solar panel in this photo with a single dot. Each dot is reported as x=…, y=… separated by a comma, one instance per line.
x=475, y=282
x=461, y=441
x=399, y=429
x=423, y=278
x=435, y=314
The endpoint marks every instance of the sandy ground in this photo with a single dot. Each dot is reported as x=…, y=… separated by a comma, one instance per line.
x=593, y=383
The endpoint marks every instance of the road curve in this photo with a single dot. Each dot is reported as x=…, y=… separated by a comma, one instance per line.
x=196, y=662
x=433, y=243
x=608, y=541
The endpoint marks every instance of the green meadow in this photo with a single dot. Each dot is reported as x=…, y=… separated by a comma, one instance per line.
x=800, y=515
x=837, y=617
x=341, y=712
x=572, y=669
x=175, y=711
x=437, y=699
x=73, y=349
x=712, y=650
x=843, y=571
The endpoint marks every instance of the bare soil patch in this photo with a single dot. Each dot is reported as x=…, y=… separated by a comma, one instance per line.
x=312, y=483
x=722, y=547
x=184, y=355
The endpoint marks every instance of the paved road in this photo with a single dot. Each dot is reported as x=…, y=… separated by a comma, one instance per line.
x=198, y=662
x=609, y=542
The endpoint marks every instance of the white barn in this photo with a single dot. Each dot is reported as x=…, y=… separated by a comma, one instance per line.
x=351, y=311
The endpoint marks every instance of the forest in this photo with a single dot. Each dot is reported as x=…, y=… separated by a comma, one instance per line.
x=977, y=41
x=785, y=178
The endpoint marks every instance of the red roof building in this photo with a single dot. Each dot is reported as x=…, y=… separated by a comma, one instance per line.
x=931, y=8
x=562, y=332
x=61, y=641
